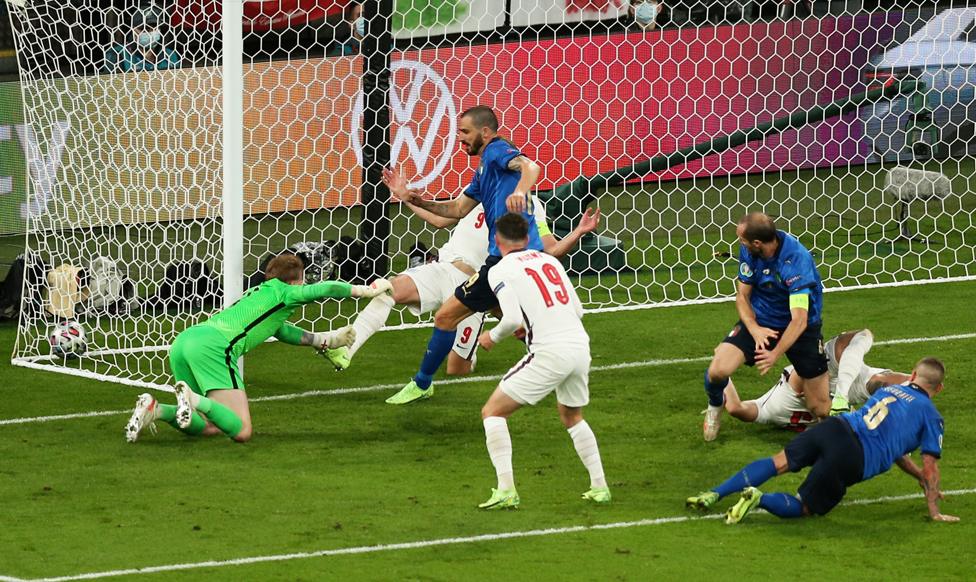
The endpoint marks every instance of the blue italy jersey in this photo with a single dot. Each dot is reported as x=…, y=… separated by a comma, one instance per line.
x=788, y=272
x=895, y=421
x=493, y=182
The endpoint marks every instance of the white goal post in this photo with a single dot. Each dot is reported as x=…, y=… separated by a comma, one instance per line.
x=170, y=146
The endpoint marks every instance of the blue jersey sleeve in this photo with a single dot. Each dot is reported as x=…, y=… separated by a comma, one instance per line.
x=932, y=435
x=746, y=271
x=505, y=154
x=798, y=273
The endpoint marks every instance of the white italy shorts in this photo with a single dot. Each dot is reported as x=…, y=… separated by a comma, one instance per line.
x=436, y=283
x=563, y=370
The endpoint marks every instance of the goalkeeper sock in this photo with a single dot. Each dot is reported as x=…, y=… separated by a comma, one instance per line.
x=223, y=417
x=370, y=320
x=440, y=344
x=752, y=475
x=167, y=414
x=852, y=360
x=781, y=504
x=585, y=442
x=715, y=390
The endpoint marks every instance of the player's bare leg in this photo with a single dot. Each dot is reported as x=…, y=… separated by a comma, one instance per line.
x=451, y=313
x=746, y=411
x=589, y=452
x=494, y=416
x=458, y=366
x=816, y=392
x=726, y=361
x=226, y=409
x=373, y=317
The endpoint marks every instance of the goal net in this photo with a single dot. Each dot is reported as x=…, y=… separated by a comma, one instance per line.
x=168, y=152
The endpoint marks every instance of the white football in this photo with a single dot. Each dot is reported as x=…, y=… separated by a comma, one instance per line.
x=68, y=339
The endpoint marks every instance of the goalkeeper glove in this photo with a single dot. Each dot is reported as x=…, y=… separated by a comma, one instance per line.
x=377, y=287
x=331, y=340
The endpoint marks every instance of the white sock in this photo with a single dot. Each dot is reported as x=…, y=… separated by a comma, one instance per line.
x=499, y=444
x=852, y=360
x=585, y=442
x=370, y=320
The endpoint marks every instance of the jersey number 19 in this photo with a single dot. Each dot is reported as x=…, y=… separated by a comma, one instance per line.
x=554, y=280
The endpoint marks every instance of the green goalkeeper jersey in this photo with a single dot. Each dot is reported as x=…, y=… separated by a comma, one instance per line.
x=264, y=310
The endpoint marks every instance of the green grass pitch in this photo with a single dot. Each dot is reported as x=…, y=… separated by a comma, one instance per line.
x=334, y=471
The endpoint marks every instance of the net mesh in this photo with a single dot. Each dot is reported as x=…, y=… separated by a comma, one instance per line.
x=122, y=126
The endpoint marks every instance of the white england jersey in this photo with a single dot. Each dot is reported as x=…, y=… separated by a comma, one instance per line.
x=533, y=290
x=469, y=239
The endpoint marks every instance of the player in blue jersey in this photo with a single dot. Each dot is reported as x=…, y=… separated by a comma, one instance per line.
x=502, y=182
x=779, y=300
x=848, y=449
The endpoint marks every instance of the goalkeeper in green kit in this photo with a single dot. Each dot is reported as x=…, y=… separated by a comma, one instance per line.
x=210, y=397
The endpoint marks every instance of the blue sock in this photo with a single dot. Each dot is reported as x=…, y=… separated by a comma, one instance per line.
x=715, y=390
x=781, y=504
x=438, y=347
x=752, y=475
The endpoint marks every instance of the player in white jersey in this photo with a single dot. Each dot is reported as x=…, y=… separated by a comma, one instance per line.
x=422, y=289
x=534, y=292
x=783, y=405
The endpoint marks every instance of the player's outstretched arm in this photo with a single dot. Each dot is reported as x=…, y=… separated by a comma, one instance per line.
x=561, y=247
x=457, y=208
x=431, y=218
x=302, y=294
x=296, y=336
x=932, y=493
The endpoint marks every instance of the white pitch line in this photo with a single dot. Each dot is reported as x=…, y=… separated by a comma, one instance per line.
x=444, y=541
x=451, y=381
x=9, y=579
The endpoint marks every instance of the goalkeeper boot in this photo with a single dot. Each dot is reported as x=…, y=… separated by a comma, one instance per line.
x=411, y=393
x=749, y=501
x=144, y=415
x=339, y=357
x=600, y=495
x=502, y=499
x=839, y=405
x=703, y=500
x=713, y=420
x=184, y=404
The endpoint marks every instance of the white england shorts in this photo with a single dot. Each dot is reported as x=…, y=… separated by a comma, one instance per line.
x=782, y=406
x=563, y=370
x=436, y=283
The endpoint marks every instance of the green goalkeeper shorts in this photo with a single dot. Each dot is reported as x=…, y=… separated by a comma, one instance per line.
x=200, y=357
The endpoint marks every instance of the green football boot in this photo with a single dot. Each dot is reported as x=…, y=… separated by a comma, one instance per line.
x=502, y=499
x=339, y=357
x=839, y=405
x=749, y=501
x=410, y=393
x=702, y=501
x=600, y=495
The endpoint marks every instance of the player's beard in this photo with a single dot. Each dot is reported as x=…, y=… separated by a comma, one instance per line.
x=474, y=148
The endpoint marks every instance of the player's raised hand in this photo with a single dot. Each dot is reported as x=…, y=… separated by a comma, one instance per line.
x=589, y=221
x=397, y=184
x=517, y=202
x=763, y=335
x=485, y=341
x=765, y=360
x=945, y=518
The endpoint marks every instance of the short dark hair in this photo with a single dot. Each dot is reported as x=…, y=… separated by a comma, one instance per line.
x=512, y=227
x=930, y=371
x=482, y=116
x=758, y=226
x=286, y=268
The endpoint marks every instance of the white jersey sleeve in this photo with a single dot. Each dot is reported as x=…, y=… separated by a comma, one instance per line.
x=469, y=240
x=544, y=296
